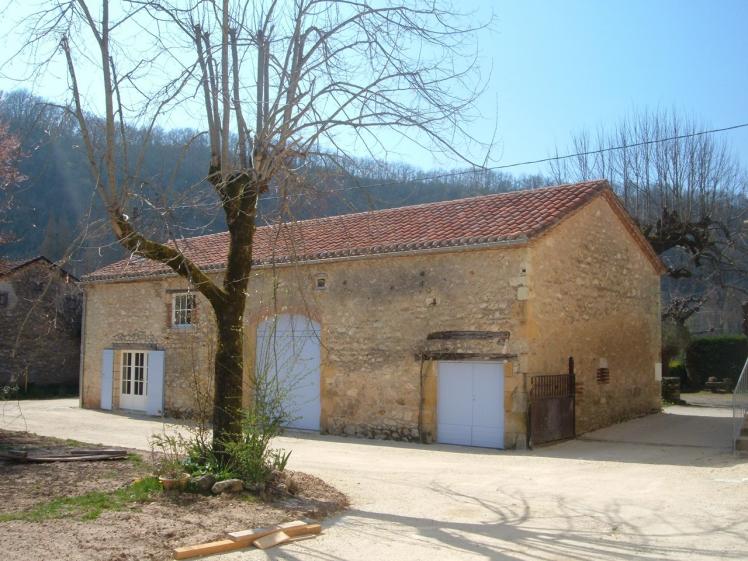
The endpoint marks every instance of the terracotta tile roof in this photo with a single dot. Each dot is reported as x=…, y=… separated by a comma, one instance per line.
x=504, y=217
x=7, y=266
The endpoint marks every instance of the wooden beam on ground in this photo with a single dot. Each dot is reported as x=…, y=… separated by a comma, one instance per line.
x=290, y=534
x=220, y=546
x=271, y=540
x=276, y=535
x=256, y=533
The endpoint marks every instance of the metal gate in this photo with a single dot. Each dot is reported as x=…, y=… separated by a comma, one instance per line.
x=552, y=408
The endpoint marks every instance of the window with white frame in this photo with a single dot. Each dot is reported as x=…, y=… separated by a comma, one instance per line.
x=183, y=309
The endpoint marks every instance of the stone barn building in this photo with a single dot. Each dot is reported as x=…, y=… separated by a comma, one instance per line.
x=434, y=322
x=40, y=326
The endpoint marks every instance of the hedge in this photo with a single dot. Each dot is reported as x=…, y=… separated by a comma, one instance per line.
x=722, y=356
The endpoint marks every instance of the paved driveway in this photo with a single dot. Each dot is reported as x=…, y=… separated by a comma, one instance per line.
x=661, y=487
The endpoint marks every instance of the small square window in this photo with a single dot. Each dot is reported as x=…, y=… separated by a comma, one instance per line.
x=183, y=309
x=3, y=299
x=320, y=282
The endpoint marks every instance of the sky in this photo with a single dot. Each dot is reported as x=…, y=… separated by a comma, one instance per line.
x=561, y=67
x=557, y=68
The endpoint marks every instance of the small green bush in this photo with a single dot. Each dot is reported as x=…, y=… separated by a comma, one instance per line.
x=676, y=369
x=249, y=457
x=721, y=356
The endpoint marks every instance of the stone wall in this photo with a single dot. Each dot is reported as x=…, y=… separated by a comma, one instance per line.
x=136, y=316
x=375, y=316
x=595, y=296
x=40, y=328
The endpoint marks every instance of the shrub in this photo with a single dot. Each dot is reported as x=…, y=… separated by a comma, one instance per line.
x=250, y=457
x=168, y=453
x=721, y=356
x=676, y=369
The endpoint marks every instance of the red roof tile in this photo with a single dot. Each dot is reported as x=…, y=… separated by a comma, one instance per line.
x=503, y=217
x=7, y=266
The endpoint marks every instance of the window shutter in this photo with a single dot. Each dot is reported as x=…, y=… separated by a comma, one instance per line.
x=195, y=307
x=155, y=404
x=169, y=304
x=107, y=375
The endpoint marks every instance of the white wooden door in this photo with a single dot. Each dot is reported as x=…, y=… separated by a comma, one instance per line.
x=288, y=367
x=470, y=404
x=134, y=381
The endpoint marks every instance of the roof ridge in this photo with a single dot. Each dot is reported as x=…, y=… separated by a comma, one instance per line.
x=603, y=183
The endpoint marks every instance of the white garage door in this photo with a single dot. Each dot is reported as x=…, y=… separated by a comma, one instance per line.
x=470, y=404
x=288, y=360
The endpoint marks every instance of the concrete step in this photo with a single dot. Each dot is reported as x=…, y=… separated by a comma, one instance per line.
x=741, y=443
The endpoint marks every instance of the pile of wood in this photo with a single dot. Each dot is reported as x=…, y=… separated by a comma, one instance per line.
x=74, y=455
x=263, y=538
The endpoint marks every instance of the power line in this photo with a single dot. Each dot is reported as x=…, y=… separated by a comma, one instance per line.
x=530, y=162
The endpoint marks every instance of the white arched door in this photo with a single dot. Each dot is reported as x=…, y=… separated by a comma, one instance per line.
x=288, y=367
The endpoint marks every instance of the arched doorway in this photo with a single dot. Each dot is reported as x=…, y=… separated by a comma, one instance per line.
x=288, y=365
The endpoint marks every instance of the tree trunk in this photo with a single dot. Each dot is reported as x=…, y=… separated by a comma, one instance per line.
x=229, y=372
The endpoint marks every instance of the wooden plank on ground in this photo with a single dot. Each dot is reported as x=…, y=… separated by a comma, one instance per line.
x=220, y=546
x=256, y=533
x=97, y=452
x=289, y=534
x=271, y=540
x=300, y=538
x=305, y=530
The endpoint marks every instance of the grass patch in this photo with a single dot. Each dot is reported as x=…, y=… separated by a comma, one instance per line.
x=91, y=505
x=135, y=459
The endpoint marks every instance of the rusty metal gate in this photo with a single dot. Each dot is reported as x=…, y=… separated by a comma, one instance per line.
x=552, y=407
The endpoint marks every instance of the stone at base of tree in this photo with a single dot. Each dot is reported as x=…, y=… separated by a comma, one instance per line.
x=228, y=486
x=204, y=483
x=255, y=487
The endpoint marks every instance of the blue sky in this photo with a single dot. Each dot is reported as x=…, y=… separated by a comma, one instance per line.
x=560, y=67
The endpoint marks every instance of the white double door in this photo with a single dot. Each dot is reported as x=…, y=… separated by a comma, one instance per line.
x=470, y=403
x=141, y=381
x=288, y=367
x=134, y=381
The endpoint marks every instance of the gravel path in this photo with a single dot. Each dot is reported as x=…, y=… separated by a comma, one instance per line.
x=661, y=487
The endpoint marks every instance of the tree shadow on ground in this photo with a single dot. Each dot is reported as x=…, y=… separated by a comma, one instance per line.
x=513, y=533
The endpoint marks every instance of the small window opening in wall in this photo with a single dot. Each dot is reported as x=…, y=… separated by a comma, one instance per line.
x=183, y=309
x=320, y=282
x=602, y=376
x=3, y=299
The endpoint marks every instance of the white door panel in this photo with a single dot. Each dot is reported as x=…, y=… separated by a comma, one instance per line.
x=455, y=403
x=470, y=404
x=288, y=358
x=488, y=405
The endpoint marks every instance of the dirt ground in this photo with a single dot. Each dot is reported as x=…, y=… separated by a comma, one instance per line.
x=665, y=486
x=146, y=531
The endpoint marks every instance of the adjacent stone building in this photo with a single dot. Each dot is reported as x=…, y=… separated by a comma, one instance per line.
x=425, y=322
x=40, y=326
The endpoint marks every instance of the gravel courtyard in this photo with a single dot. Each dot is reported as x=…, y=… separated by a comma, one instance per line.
x=660, y=487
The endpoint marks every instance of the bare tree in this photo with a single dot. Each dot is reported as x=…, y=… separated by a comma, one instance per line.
x=276, y=82
x=687, y=191
x=10, y=176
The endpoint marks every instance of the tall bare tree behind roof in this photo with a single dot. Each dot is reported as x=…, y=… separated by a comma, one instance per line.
x=276, y=82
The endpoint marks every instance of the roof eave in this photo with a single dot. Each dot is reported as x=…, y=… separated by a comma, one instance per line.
x=513, y=242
